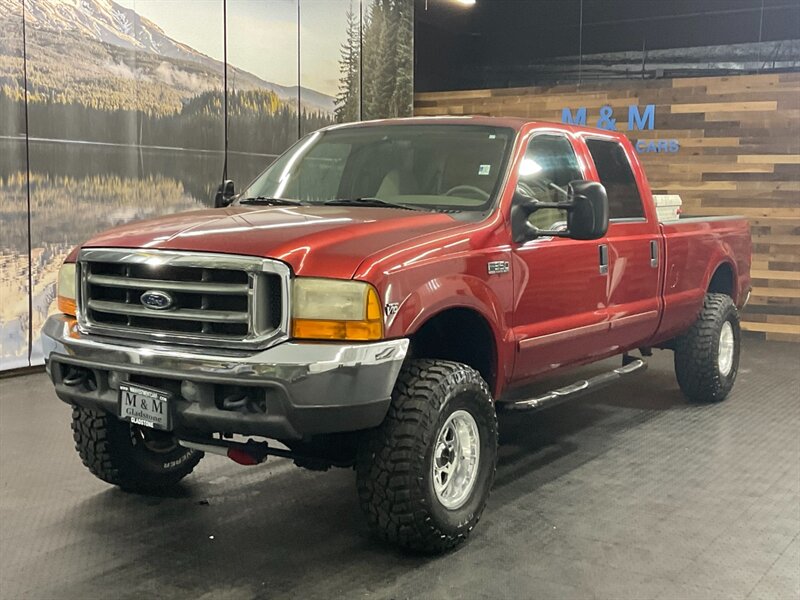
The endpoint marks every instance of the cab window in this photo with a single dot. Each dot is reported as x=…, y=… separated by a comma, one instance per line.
x=614, y=170
x=549, y=159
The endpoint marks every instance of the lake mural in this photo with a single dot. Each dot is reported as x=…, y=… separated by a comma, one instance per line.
x=129, y=102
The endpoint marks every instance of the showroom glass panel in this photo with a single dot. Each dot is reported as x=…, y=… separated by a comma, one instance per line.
x=82, y=99
x=130, y=124
x=330, y=71
x=387, y=59
x=614, y=170
x=262, y=84
x=14, y=315
x=183, y=137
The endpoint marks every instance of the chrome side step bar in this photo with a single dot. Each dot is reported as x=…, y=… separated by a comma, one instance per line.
x=631, y=366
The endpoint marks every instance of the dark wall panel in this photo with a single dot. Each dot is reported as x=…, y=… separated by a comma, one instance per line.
x=509, y=43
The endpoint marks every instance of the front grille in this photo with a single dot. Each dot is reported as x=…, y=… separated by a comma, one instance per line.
x=212, y=299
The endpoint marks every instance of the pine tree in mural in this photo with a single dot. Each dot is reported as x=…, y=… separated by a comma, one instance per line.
x=386, y=56
x=349, y=97
x=373, y=41
x=404, y=53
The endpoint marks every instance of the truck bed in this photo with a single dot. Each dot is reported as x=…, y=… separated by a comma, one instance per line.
x=695, y=248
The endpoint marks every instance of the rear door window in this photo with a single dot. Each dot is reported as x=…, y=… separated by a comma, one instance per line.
x=614, y=169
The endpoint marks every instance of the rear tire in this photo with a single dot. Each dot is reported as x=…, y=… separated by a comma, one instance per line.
x=707, y=356
x=133, y=458
x=425, y=474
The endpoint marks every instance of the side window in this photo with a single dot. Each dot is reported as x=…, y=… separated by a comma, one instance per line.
x=616, y=175
x=549, y=159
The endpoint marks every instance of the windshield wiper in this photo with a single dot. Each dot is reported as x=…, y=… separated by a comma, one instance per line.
x=364, y=201
x=270, y=201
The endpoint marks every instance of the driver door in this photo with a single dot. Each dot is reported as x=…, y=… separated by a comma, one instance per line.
x=560, y=313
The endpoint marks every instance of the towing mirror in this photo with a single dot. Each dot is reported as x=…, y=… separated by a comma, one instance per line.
x=586, y=205
x=587, y=218
x=225, y=194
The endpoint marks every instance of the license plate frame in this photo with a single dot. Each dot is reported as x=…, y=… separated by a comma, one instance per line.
x=145, y=406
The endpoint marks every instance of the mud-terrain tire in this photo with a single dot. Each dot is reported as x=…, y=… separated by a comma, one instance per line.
x=707, y=356
x=440, y=412
x=127, y=456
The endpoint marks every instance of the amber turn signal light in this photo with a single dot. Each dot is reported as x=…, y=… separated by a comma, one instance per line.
x=67, y=306
x=352, y=298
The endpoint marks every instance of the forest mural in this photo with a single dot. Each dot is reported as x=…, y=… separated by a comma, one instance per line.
x=112, y=111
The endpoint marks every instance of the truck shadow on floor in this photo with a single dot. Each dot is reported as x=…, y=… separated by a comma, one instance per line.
x=540, y=446
x=245, y=534
x=278, y=531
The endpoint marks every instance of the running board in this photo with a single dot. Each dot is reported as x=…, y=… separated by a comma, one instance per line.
x=579, y=388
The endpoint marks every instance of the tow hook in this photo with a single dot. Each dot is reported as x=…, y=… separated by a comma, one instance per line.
x=248, y=453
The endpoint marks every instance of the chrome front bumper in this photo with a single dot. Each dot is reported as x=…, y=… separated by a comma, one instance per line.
x=308, y=388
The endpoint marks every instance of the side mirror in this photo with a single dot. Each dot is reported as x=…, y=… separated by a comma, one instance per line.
x=587, y=219
x=225, y=194
x=587, y=213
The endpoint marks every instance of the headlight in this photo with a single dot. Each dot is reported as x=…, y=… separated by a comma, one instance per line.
x=333, y=309
x=66, y=289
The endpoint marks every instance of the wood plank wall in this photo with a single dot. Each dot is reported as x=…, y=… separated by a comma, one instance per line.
x=739, y=154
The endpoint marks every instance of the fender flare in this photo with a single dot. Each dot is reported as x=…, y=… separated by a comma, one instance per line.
x=457, y=291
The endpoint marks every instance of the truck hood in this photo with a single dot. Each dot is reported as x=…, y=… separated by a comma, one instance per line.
x=328, y=241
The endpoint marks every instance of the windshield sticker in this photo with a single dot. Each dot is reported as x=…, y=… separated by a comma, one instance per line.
x=484, y=169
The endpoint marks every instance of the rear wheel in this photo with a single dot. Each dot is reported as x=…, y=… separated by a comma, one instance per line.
x=137, y=459
x=707, y=356
x=425, y=474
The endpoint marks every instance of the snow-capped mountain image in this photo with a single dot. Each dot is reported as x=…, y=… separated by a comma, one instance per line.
x=132, y=45
x=105, y=21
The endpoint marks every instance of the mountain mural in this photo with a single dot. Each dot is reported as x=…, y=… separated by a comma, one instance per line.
x=125, y=122
x=90, y=43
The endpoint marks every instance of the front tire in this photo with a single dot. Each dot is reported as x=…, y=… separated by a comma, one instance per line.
x=707, y=356
x=131, y=457
x=425, y=474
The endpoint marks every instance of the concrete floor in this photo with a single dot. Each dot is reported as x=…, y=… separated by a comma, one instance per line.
x=630, y=493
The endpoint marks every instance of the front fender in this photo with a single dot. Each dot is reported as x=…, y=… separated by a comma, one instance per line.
x=490, y=299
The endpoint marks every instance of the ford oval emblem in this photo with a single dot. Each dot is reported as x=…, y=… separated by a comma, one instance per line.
x=156, y=300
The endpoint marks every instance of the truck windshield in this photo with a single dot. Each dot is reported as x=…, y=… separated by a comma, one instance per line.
x=425, y=167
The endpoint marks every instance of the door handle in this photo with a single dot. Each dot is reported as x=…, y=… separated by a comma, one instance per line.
x=603, y=248
x=654, y=253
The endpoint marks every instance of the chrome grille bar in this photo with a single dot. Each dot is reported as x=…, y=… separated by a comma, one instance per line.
x=181, y=314
x=173, y=286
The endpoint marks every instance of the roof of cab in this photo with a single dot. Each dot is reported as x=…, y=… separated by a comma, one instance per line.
x=515, y=123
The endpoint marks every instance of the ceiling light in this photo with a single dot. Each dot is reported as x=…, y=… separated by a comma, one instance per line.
x=466, y=2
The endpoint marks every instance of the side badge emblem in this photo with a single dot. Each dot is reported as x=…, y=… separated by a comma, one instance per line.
x=391, y=309
x=496, y=267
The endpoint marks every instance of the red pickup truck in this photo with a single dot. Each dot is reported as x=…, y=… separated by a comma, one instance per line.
x=374, y=296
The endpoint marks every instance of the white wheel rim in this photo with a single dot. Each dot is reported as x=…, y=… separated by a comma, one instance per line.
x=455, y=459
x=725, y=350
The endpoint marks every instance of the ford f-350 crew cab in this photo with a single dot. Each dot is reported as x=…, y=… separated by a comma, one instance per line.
x=374, y=296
